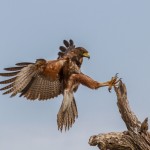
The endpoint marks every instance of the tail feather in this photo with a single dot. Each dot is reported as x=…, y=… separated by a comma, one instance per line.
x=74, y=108
x=68, y=112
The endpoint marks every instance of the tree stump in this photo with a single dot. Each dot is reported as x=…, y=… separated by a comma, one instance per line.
x=136, y=137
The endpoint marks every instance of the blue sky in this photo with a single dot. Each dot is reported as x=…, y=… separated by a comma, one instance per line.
x=117, y=35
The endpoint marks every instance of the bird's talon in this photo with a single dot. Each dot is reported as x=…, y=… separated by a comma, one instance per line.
x=109, y=89
x=113, y=82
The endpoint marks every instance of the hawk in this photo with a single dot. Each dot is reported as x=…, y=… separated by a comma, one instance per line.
x=44, y=80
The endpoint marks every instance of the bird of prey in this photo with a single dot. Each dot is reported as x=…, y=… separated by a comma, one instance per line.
x=44, y=80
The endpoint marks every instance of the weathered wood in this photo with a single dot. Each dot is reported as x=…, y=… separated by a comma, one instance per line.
x=136, y=137
x=130, y=119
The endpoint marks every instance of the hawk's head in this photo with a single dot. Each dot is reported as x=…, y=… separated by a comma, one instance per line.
x=69, y=49
x=81, y=52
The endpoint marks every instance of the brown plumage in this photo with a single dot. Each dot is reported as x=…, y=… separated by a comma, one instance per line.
x=44, y=80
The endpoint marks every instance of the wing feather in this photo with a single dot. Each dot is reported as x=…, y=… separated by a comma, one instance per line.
x=9, y=74
x=66, y=43
x=42, y=90
x=68, y=46
x=24, y=63
x=8, y=81
x=8, y=91
x=7, y=87
x=31, y=93
x=32, y=81
x=23, y=79
x=13, y=68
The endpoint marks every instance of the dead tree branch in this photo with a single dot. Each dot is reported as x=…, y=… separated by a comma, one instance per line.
x=136, y=137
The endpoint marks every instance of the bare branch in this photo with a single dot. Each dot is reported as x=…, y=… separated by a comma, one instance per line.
x=130, y=119
x=136, y=138
x=112, y=141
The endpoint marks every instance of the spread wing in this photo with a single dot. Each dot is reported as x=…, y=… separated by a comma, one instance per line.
x=66, y=51
x=39, y=80
x=68, y=46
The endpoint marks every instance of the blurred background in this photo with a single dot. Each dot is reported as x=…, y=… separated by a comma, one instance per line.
x=117, y=35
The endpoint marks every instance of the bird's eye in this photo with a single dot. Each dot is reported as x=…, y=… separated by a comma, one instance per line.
x=81, y=52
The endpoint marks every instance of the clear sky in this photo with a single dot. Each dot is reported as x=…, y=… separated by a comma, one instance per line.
x=117, y=35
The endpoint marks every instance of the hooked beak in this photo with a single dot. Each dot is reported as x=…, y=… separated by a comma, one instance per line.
x=86, y=55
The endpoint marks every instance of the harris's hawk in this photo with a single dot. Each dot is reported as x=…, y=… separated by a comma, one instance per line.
x=44, y=80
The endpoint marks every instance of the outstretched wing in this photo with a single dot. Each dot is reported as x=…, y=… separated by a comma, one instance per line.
x=68, y=46
x=39, y=80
